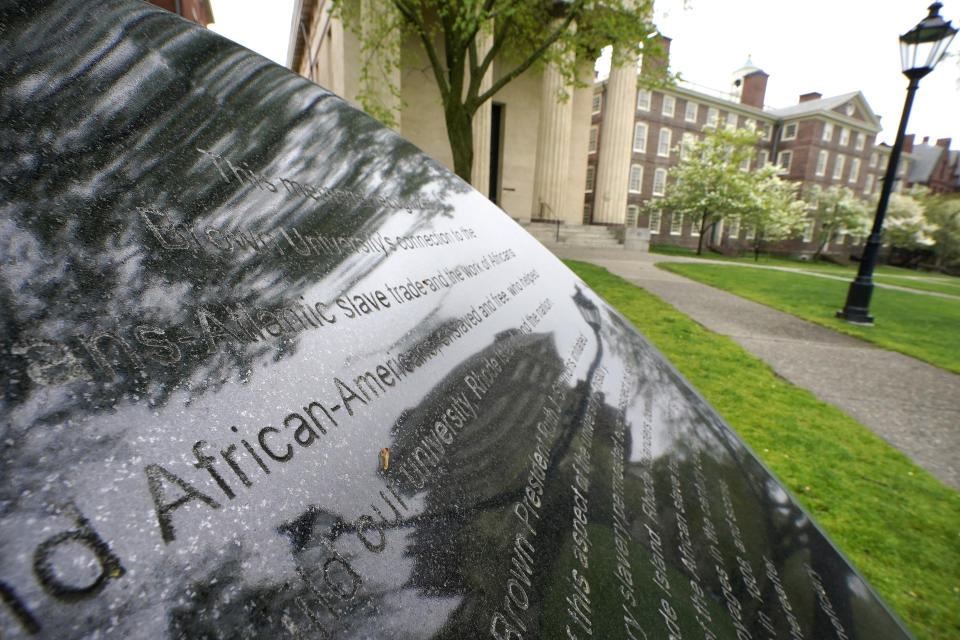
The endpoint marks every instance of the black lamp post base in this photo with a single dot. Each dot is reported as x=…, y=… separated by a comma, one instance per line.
x=856, y=310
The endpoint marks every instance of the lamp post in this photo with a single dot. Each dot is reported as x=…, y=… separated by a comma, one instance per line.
x=921, y=49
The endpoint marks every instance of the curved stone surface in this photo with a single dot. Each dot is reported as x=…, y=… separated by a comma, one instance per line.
x=270, y=372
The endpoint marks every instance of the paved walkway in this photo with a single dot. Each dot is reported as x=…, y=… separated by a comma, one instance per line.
x=912, y=405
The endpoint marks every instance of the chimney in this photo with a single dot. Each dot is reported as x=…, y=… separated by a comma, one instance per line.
x=944, y=142
x=926, y=139
x=754, y=88
x=657, y=60
x=908, y=143
x=813, y=95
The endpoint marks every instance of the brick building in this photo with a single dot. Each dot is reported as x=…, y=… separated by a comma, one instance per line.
x=935, y=165
x=818, y=141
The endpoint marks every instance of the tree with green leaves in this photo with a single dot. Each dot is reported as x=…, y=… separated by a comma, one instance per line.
x=836, y=210
x=906, y=225
x=774, y=213
x=474, y=48
x=943, y=212
x=712, y=182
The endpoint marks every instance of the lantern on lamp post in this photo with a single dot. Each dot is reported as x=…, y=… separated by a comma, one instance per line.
x=921, y=49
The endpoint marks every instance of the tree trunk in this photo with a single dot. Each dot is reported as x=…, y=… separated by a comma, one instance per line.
x=703, y=224
x=459, y=122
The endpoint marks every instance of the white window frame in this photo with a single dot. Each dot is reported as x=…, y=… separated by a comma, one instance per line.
x=597, y=104
x=637, y=128
x=633, y=213
x=844, y=136
x=672, y=102
x=732, y=119
x=808, y=231
x=763, y=157
x=838, y=166
x=686, y=140
x=784, y=166
x=822, y=158
x=635, y=184
x=713, y=117
x=586, y=212
x=766, y=130
x=592, y=142
x=656, y=217
x=663, y=142
x=691, y=111
x=588, y=187
x=643, y=99
x=659, y=182
x=827, y=132
x=745, y=164
x=861, y=141
x=676, y=224
x=786, y=134
x=854, y=174
x=751, y=232
x=873, y=159
x=868, y=184
x=733, y=229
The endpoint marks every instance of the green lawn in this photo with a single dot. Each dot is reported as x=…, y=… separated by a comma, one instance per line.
x=925, y=327
x=936, y=282
x=897, y=523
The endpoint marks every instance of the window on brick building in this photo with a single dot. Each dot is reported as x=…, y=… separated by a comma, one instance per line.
x=861, y=142
x=733, y=228
x=765, y=130
x=745, y=164
x=821, y=168
x=654, y=224
x=586, y=214
x=844, y=136
x=663, y=143
x=828, y=132
x=868, y=185
x=838, y=166
x=784, y=159
x=854, y=171
x=633, y=212
x=808, y=232
x=873, y=159
x=669, y=106
x=762, y=157
x=659, y=182
x=686, y=141
x=789, y=132
x=712, y=117
x=597, y=102
x=732, y=120
x=676, y=224
x=589, y=185
x=690, y=114
x=636, y=178
x=592, y=144
x=751, y=232
x=640, y=137
x=643, y=100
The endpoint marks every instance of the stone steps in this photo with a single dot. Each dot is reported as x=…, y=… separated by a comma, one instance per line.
x=575, y=235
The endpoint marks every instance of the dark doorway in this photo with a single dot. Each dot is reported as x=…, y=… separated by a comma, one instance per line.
x=496, y=132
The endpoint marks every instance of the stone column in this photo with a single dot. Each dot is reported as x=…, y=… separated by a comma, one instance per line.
x=482, y=122
x=380, y=88
x=553, y=146
x=616, y=141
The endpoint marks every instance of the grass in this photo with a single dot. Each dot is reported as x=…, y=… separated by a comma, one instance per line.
x=935, y=282
x=924, y=327
x=896, y=523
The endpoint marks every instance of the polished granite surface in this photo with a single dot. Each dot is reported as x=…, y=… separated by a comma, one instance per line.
x=270, y=372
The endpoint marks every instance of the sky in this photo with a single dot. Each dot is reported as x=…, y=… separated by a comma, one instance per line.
x=828, y=46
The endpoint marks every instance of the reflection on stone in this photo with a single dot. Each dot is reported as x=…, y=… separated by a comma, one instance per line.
x=271, y=372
